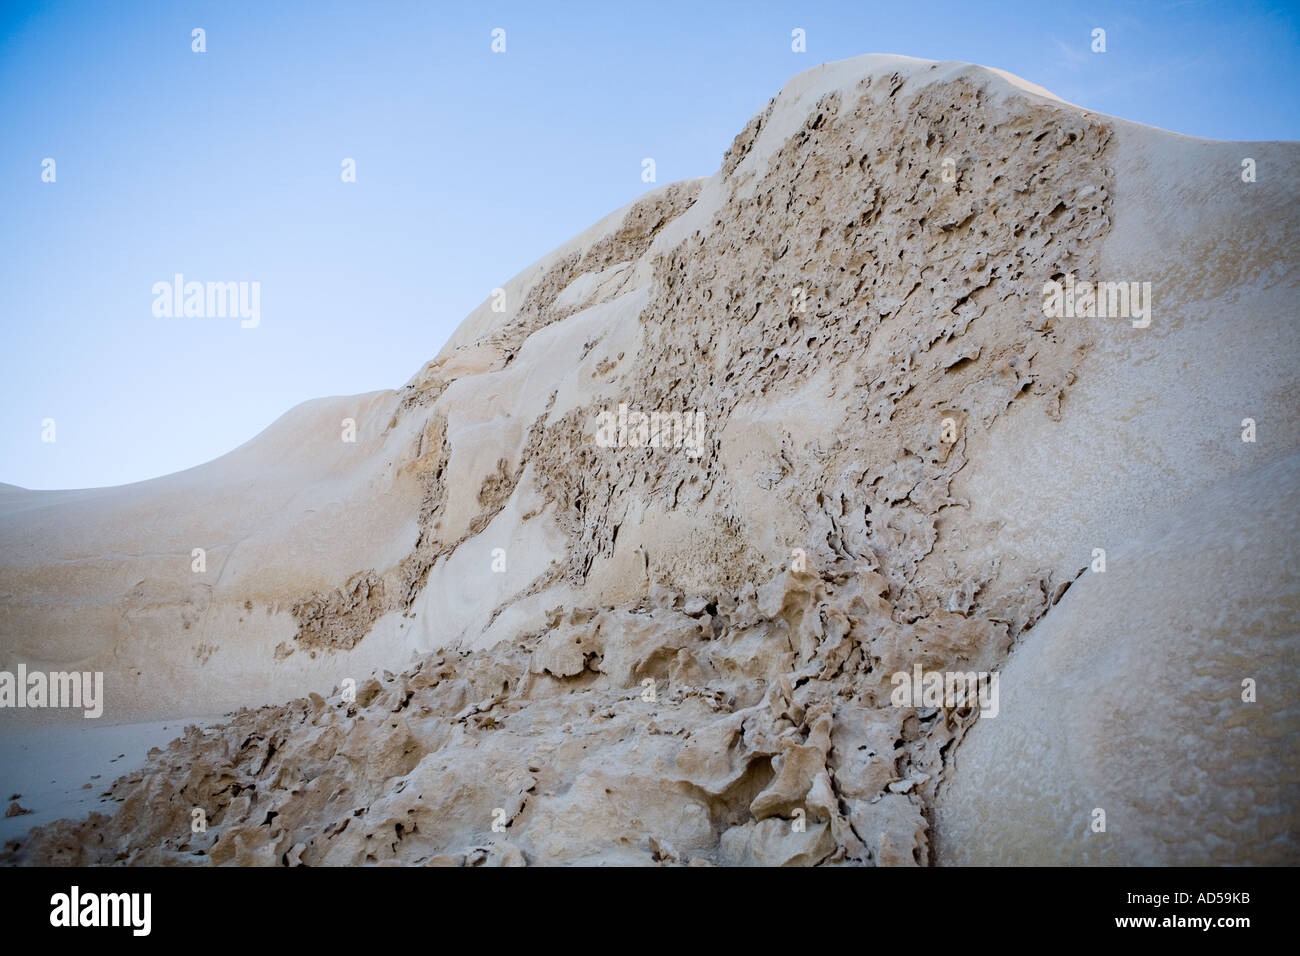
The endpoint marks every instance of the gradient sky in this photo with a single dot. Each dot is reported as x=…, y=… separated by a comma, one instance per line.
x=224, y=166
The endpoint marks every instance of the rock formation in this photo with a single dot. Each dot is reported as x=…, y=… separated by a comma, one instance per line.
x=512, y=630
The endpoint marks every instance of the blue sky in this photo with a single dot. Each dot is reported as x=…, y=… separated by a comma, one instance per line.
x=225, y=166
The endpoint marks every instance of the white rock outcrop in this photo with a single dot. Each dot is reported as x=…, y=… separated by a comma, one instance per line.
x=683, y=655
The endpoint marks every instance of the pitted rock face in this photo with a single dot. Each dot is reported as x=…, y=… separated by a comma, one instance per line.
x=847, y=264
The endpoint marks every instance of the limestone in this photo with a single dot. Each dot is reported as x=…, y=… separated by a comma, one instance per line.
x=480, y=636
x=1117, y=723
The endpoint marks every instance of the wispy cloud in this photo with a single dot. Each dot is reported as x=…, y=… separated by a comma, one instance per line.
x=1147, y=75
x=1071, y=58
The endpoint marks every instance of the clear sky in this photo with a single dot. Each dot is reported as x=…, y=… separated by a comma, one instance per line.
x=226, y=166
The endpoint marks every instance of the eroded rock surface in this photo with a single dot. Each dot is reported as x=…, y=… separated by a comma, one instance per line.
x=644, y=655
x=754, y=730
